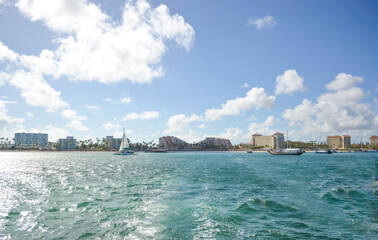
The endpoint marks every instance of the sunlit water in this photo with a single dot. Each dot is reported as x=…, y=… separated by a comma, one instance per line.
x=188, y=196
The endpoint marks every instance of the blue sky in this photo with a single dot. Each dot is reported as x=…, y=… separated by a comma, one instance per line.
x=189, y=68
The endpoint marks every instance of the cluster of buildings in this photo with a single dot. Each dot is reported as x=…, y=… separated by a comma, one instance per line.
x=171, y=143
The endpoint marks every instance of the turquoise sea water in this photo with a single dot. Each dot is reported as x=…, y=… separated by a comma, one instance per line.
x=188, y=196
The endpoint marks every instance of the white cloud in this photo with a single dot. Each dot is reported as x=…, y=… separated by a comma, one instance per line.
x=7, y=54
x=125, y=100
x=178, y=123
x=202, y=126
x=8, y=125
x=263, y=128
x=109, y=100
x=77, y=125
x=245, y=85
x=235, y=135
x=337, y=112
x=94, y=48
x=289, y=82
x=344, y=81
x=255, y=97
x=261, y=23
x=4, y=77
x=94, y=108
x=37, y=92
x=142, y=116
x=54, y=133
x=30, y=114
x=71, y=114
x=109, y=126
x=191, y=136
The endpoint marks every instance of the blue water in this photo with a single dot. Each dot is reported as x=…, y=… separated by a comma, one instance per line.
x=188, y=196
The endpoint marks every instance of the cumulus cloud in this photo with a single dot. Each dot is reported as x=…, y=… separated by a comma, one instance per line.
x=234, y=134
x=289, y=82
x=261, y=23
x=264, y=127
x=37, y=92
x=4, y=77
x=344, y=81
x=191, y=136
x=30, y=114
x=7, y=54
x=256, y=97
x=109, y=126
x=337, y=112
x=94, y=48
x=125, y=100
x=71, y=114
x=142, y=116
x=179, y=123
x=8, y=124
x=94, y=108
x=77, y=125
x=245, y=85
x=54, y=133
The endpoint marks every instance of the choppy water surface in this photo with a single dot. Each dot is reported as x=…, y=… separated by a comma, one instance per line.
x=188, y=196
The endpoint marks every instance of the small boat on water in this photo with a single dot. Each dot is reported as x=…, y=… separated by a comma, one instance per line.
x=124, y=149
x=323, y=151
x=249, y=151
x=287, y=151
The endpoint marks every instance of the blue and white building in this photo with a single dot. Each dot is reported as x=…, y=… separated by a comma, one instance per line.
x=31, y=140
x=67, y=144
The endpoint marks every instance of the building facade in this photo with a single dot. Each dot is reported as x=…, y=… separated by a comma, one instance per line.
x=215, y=143
x=113, y=143
x=31, y=140
x=67, y=144
x=270, y=141
x=172, y=143
x=335, y=142
x=373, y=140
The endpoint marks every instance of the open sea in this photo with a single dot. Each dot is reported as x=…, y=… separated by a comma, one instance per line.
x=196, y=195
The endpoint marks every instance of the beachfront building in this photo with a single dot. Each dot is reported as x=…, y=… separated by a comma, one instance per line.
x=216, y=143
x=171, y=143
x=67, y=144
x=31, y=140
x=335, y=142
x=373, y=140
x=113, y=143
x=5, y=143
x=270, y=141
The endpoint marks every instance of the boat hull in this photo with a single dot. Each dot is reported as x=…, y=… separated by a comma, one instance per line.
x=285, y=153
x=126, y=153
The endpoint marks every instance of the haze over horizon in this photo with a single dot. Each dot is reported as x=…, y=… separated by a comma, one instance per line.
x=190, y=69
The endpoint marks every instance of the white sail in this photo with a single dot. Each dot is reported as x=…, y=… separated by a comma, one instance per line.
x=124, y=143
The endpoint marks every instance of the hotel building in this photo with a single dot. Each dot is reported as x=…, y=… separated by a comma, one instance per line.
x=335, y=142
x=67, y=144
x=26, y=140
x=220, y=143
x=172, y=143
x=113, y=143
x=373, y=140
x=270, y=141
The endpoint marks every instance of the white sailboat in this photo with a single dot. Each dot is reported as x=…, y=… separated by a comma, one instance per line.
x=124, y=149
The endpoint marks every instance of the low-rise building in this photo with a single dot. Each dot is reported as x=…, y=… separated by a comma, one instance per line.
x=172, y=143
x=67, y=144
x=270, y=141
x=31, y=140
x=373, y=140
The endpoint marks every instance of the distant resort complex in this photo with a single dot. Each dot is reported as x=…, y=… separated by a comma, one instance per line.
x=39, y=141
